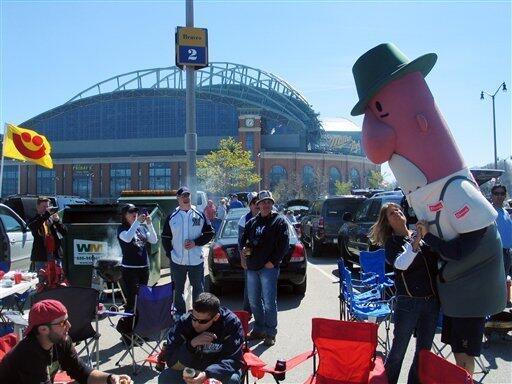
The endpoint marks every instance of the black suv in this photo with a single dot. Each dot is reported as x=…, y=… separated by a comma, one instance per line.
x=321, y=224
x=353, y=234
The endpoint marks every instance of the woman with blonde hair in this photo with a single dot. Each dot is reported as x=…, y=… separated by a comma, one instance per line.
x=417, y=306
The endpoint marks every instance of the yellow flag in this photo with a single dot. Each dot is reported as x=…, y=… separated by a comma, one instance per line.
x=24, y=144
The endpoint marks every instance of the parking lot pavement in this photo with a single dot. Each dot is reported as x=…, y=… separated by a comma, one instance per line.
x=294, y=330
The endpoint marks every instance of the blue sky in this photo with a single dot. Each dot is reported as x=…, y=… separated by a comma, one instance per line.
x=51, y=51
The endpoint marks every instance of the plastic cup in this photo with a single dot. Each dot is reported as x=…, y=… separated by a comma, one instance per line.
x=17, y=278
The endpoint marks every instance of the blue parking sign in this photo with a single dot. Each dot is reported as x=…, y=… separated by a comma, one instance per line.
x=191, y=55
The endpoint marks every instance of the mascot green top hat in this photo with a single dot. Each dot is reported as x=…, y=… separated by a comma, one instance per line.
x=379, y=66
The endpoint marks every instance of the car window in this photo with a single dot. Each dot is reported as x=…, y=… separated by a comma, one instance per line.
x=199, y=199
x=11, y=224
x=373, y=212
x=230, y=229
x=362, y=212
x=336, y=208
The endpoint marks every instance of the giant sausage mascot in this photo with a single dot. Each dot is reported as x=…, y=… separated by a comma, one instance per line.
x=403, y=125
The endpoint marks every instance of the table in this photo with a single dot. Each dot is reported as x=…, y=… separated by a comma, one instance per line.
x=18, y=288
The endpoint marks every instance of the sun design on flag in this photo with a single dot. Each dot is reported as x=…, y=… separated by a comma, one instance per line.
x=36, y=141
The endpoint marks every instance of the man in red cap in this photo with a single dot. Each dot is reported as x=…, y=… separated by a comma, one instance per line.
x=47, y=348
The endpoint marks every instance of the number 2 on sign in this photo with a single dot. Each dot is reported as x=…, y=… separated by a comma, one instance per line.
x=192, y=54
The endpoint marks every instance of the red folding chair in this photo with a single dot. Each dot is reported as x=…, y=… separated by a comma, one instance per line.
x=434, y=369
x=346, y=354
x=7, y=342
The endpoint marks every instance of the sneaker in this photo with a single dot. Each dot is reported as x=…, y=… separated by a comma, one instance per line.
x=253, y=335
x=269, y=341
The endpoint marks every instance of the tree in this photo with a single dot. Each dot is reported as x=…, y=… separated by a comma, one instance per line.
x=375, y=180
x=227, y=169
x=343, y=188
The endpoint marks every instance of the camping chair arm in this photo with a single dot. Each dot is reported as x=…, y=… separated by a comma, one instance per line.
x=293, y=362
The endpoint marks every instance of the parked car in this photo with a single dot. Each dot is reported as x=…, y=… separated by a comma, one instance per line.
x=325, y=216
x=224, y=258
x=16, y=240
x=299, y=207
x=353, y=234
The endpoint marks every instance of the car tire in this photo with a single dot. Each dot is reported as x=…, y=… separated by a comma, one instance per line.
x=213, y=288
x=315, y=248
x=300, y=289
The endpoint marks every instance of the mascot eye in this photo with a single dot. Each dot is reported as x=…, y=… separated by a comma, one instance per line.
x=378, y=106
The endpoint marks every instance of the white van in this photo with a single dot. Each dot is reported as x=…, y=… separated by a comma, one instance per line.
x=16, y=241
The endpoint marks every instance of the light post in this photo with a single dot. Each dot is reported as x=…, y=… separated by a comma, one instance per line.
x=482, y=97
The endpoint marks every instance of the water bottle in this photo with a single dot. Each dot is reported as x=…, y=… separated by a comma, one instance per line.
x=281, y=369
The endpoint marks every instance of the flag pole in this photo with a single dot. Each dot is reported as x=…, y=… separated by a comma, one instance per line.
x=2, y=162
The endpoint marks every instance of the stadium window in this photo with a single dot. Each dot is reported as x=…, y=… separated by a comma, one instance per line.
x=334, y=176
x=45, y=182
x=308, y=176
x=355, y=179
x=120, y=178
x=160, y=176
x=10, y=180
x=277, y=173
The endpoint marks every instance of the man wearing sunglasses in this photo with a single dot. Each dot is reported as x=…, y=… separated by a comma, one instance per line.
x=47, y=348
x=208, y=339
x=504, y=224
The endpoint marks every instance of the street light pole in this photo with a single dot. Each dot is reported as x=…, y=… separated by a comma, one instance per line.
x=190, y=99
x=482, y=97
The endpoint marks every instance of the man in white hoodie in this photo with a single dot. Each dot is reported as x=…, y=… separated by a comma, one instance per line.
x=185, y=231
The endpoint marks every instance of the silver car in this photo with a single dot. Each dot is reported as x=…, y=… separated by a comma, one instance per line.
x=16, y=240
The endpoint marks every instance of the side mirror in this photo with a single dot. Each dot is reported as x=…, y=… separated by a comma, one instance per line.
x=347, y=216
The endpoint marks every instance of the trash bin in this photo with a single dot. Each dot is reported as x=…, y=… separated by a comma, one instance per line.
x=92, y=234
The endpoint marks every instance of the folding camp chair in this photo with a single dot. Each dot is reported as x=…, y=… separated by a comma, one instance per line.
x=346, y=354
x=367, y=310
x=373, y=270
x=82, y=306
x=153, y=309
x=364, y=293
x=436, y=370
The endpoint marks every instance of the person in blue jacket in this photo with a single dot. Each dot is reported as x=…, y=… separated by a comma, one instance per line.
x=209, y=339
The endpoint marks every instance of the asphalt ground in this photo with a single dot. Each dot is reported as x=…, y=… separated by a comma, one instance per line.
x=294, y=330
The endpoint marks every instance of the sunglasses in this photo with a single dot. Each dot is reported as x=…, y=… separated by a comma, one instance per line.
x=61, y=323
x=499, y=193
x=200, y=321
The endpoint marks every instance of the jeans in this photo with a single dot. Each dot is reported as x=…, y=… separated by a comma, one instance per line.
x=132, y=278
x=262, y=292
x=172, y=376
x=246, y=306
x=507, y=261
x=179, y=276
x=411, y=315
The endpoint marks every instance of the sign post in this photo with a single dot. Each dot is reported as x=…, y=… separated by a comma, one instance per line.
x=191, y=53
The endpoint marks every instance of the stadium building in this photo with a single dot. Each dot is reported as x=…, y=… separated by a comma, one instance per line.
x=127, y=132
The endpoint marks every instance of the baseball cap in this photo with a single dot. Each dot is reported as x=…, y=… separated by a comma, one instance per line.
x=44, y=312
x=265, y=195
x=182, y=191
x=129, y=208
x=251, y=196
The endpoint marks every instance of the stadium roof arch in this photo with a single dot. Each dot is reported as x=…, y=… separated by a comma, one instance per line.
x=245, y=87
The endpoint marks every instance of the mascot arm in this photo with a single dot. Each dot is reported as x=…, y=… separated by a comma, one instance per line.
x=455, y=249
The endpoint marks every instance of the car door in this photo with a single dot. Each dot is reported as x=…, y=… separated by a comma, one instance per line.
x=19, y=238
x=353, y=237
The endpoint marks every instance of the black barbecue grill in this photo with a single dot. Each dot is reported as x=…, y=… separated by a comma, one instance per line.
x=110, y=270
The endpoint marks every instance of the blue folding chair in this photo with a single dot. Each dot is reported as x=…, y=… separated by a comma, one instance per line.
x=152, y=320
x=363, y=292
x=373, y=271
x=376, y=311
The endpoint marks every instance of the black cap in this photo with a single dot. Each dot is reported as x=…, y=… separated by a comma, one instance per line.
x=183, y=190
x=129, y=208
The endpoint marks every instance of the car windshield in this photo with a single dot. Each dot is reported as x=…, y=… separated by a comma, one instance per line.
x=336, y=208
x=230, y=229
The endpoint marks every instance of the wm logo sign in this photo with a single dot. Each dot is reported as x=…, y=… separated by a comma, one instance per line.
x=89, y=248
